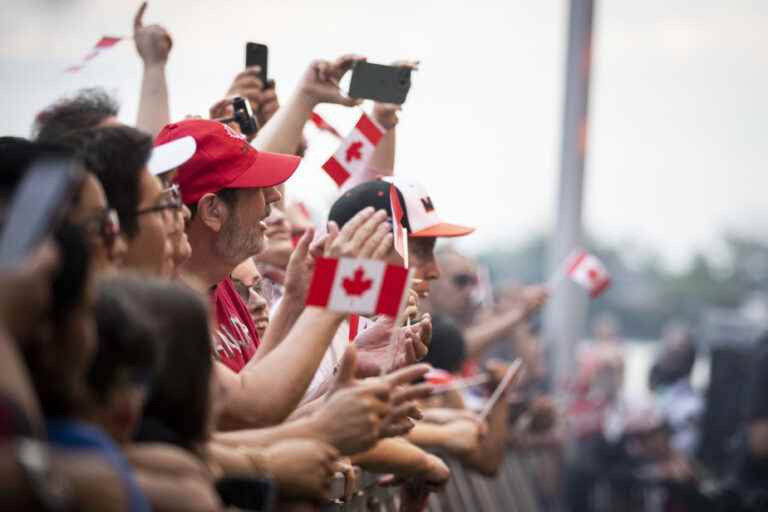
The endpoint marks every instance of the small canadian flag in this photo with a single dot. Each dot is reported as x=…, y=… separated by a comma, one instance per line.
x=588, y=271
x=400, y=233
x=352, y=285
x=355, y=150
x=104, y=43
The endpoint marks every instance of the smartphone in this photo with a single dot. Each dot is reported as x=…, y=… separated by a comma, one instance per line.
x=38, y=204
x=247, y=493
x=244, y=116
x=386, y=84
x=256, y=55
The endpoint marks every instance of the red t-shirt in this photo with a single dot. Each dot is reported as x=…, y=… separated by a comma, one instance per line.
x=235, y=334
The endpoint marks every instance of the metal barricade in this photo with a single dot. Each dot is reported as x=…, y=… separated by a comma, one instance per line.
x=514, y=489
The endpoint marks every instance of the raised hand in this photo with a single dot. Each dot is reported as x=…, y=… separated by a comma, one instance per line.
x=301, y=265
x=366, y=235
x=248, y=85
x=320, y=83
x=153, y=42
x=350, y=419
x=386, y=114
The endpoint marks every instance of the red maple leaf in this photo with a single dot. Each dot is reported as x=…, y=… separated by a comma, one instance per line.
x=353, y=151
x=358, y=285
x=593, y=275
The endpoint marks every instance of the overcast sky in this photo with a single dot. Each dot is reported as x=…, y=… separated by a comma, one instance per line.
x=678, y=129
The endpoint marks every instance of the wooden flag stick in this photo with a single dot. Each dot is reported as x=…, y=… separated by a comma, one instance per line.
x=513, y=369
x=461, y=384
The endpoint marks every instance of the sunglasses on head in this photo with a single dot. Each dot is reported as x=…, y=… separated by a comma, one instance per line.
x=464, y=280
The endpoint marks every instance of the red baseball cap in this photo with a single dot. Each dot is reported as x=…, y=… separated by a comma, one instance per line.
x=223, y=159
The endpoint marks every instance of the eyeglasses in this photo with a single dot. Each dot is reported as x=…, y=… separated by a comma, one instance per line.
x=171, y=200
x=464, y=280
x=107, y=225
x=262, y=288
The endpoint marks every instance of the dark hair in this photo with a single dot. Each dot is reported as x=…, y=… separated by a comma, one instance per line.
x=116, y=155
x=228, y=195
x=447, y=350
x=67, y=292
x=88, y=109
x=178, y=399
x=17, y=154
x=126, y=338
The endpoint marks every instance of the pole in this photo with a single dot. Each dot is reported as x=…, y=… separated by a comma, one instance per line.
x=565, y=317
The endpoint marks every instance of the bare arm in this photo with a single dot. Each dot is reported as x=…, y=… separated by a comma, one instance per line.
x=267, y=390
x=282, y=134
x=153, y=44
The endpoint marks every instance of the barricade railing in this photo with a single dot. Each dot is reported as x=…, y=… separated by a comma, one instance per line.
x=513, y=489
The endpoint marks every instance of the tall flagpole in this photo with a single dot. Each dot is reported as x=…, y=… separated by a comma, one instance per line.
x=565, y=316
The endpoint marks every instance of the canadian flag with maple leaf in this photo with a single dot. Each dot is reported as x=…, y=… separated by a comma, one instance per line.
x=355, y=150
x=588, y=271
x=102, y=44
x=352, y=285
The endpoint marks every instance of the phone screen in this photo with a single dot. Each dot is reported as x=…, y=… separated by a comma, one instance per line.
x=37, y=204
x=256, y=54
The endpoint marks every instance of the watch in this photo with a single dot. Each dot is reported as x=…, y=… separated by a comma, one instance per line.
x=50, y=489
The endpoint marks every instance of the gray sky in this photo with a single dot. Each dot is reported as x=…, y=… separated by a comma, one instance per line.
x=677, y=142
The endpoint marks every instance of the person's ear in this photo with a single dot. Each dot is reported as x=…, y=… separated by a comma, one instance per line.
x=212, y=212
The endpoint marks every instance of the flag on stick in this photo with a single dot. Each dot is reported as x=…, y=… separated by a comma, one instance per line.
x=355, y=150
x=513, y=369
x=105, y=43
x=351, y=285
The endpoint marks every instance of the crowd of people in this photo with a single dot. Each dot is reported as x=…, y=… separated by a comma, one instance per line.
x=158, y=352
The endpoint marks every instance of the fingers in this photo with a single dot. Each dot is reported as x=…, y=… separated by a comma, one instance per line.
x=410, y=393
x=407, y=374
x=330, y=238
x=138, y=20
x=367, y=230
x=373, y=242
x=407, y=63
x=399, y=428
x=302, y=248
x=348, y=367
x=383, y=248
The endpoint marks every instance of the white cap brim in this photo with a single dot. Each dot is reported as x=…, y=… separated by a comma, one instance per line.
x=170, y=155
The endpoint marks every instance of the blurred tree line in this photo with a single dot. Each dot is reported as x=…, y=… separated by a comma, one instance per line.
x=645, y=294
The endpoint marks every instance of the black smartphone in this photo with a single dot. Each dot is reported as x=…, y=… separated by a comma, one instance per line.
x=256, y=55
x=386, y=84
x=244, y=116
x=247, y=493
x=38, y=204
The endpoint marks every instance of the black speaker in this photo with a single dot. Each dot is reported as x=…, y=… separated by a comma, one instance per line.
x=722, y=424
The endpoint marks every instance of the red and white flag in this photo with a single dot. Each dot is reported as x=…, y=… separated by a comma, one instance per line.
x=588, y=271
x=105, y=43
x=400, y=233
x=351, y=285
x=323, y=125
x=355, y=150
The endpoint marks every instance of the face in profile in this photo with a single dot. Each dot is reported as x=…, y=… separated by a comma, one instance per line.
x=243, y=232
x=255, y=292
x=150, y=250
